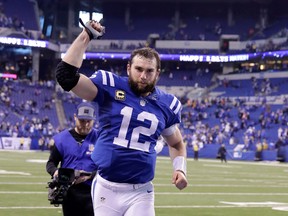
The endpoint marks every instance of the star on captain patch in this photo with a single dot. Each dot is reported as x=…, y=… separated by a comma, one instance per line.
x=120, y=95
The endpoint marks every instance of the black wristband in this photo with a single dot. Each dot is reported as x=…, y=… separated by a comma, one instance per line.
x=67, y=75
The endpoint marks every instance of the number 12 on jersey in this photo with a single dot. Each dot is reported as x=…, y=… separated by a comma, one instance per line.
x=122, y=140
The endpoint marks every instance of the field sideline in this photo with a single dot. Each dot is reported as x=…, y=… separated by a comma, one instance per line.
x=235, y=189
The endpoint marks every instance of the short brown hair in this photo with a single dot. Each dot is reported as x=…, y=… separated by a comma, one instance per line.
x=148, y=53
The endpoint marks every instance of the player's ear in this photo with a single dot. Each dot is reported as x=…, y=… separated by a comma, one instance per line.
x=128, y=69
x=158, y=74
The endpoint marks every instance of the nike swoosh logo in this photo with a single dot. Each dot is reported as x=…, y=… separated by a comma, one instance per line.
x=149, y=191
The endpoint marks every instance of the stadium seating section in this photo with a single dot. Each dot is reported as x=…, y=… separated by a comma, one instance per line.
x=227, y=114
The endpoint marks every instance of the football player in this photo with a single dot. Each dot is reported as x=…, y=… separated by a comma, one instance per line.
x=133, y=114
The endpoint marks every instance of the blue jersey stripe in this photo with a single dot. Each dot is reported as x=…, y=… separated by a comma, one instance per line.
x=173, y=103
x=111, y=79
x=175, y=106
x=104, y=77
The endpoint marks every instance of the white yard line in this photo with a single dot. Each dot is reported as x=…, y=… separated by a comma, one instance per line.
x=168, y=193
x=281, y=208
x=229, y=194
x=168, y=185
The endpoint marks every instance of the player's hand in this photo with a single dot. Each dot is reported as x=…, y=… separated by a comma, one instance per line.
x=94, y=29
x=179, y=179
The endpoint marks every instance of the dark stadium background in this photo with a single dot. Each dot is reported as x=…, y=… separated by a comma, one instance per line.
x=225, y=60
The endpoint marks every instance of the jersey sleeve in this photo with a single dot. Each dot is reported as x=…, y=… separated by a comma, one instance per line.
x=102, y=79
x=173, y=110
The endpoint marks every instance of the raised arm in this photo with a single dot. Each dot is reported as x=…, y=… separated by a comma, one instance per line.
x=67, y=70
x=74, y=55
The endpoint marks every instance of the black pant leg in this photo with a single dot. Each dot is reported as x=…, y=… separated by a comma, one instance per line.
x=78, y=201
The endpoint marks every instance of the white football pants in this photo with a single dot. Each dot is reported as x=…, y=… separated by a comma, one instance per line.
x=121, y=199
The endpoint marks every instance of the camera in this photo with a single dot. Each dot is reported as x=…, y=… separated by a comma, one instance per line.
x=57, y=189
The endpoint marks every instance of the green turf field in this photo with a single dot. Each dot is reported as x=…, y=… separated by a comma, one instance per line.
x=234, y=189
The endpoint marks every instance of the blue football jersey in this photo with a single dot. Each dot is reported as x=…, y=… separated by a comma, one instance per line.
x=129, y=127
x=76, y=156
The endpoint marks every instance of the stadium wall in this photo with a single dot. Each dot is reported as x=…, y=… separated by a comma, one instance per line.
x=210, y=152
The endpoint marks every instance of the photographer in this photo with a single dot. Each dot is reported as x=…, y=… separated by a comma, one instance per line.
x=73, y=149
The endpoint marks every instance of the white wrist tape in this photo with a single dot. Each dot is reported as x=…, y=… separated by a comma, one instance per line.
x=180, y=163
